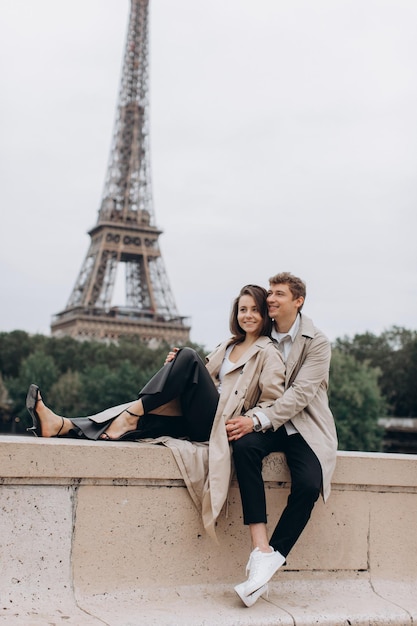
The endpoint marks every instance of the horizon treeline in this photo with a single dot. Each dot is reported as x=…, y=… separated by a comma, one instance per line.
x=371, y=376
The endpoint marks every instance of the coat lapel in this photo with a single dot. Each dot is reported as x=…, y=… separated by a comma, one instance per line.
x=218, y=355
x=306, y=332
x=260, y=343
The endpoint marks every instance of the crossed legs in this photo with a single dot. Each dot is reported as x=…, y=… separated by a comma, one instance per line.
x=180, y=400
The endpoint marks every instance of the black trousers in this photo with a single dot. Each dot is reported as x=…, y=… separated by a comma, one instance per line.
x=306, y=482
x=185, y=378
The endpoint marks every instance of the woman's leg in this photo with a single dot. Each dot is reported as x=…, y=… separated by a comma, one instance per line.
x=51, y=423
x=126, y=421
x=186, y=379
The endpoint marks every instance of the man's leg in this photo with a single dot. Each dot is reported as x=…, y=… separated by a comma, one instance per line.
x=264, y=561
x=248, y=454
x=306, y=482
x=306, y=479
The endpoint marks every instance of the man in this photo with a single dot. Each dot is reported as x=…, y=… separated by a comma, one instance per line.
x=299, y=423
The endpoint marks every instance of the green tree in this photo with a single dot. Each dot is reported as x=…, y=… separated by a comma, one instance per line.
x=37, y=368
x=394, y=352
x=76, y=378
x=102, y=387
x=14, y=347
x=356, y=402
x=5, y=403
x=65, y=395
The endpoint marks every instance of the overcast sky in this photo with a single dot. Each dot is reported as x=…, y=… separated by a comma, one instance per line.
x=283, y=138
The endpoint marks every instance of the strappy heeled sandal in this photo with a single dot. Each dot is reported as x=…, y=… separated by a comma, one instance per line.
x=32, y=398
x=130, y=434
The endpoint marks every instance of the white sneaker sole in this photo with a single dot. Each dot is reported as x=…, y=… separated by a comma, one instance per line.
x=249, y=600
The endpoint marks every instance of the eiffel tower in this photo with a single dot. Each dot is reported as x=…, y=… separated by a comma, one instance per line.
x=125, y=235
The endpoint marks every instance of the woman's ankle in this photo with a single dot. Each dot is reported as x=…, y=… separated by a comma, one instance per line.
x=136, y=408
x=130, y=418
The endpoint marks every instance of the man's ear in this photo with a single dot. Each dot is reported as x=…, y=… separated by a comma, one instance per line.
x=300, y=302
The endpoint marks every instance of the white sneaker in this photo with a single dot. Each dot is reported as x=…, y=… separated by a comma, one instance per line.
x=262, y=566
x=251, y=598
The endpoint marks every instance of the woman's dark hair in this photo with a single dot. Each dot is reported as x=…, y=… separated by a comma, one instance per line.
x=259, y=295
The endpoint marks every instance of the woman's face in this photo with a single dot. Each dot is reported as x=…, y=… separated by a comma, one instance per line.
x=248, y=316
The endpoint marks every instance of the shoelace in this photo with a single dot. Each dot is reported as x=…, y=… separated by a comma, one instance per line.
x=249, y=563
x=255, y=564
x=251, y=558
x=254, y=568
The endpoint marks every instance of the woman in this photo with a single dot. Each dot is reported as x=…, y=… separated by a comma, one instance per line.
x=186, y=399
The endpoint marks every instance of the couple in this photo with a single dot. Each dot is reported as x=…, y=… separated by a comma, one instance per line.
x=263, y=390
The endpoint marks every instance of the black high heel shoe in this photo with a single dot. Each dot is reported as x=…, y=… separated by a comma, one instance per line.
x=32, y=398
x=130, y=435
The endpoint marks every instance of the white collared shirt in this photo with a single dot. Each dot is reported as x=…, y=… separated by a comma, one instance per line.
x=285, y=341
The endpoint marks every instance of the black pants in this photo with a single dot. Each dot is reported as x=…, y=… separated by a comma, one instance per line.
x=306, y=482
x=185, y=378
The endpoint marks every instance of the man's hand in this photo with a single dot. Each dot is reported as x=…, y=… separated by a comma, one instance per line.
x=239, y=426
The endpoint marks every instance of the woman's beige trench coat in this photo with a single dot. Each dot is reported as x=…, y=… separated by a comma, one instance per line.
x=257, y=379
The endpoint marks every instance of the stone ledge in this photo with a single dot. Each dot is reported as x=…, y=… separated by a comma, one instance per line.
x=303, y=602
x=105, y=532
x=30, y=457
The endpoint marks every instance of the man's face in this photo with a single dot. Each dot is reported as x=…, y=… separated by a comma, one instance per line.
x=281, y=304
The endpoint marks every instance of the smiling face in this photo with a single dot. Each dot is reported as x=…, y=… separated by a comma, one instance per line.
x=249, y=317
x=282, y=306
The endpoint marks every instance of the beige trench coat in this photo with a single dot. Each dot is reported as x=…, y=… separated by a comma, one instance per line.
x=256, y=380
x=305, y=401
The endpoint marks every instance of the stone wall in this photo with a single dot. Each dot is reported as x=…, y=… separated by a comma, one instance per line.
x=83, y=523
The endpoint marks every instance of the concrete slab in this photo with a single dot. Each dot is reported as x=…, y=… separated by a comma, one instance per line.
x=184, y=606
x=336, y=601
x=403, y=594
x=72, y=617
x=300, y=602
x=36, y=530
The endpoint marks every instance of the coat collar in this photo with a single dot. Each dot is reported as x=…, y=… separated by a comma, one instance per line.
x=216, y=357
x=259, y=344
x=306, y=331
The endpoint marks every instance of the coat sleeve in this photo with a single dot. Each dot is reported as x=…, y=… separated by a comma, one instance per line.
x=271, y=380
x=312, y=375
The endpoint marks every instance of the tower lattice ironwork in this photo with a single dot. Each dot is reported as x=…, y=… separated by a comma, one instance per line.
x=125, y=236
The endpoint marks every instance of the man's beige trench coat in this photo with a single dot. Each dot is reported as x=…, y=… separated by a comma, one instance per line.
x=305, y=401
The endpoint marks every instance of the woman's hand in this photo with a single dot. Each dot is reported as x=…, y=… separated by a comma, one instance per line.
x=239, y=426
x=171, y=355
